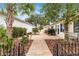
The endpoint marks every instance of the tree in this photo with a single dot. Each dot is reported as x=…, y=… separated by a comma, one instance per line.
x=12, y=10
x=68, y=16
x=68, y=12
x=33, y=20
x=51, y=11
x=9, y=20
x=37, y=20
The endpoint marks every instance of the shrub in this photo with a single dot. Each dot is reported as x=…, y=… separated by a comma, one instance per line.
x=24, y=40
x=45, y=31
x=5, y=41
x=17, y=32
x=35, y=30
x=50, y=31
x=40, y=28
x=30, y=33
x=2, y=32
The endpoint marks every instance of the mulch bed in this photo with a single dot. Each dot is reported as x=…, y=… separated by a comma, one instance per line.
x=51, y=43
x=28, y=45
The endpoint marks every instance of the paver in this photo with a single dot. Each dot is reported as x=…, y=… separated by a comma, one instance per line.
x=39, y=46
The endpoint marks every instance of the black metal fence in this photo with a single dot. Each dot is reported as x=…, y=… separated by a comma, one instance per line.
x=66, y=49
x=15, y=50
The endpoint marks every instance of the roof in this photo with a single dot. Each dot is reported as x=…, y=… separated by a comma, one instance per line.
x=22, y=21
x=17, y=19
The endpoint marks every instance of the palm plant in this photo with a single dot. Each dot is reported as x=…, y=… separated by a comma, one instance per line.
x=5, y=41
x=13, y=10
x=2, y=32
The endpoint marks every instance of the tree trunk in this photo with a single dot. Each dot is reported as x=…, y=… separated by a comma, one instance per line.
x=9, y=21
x=66, y=31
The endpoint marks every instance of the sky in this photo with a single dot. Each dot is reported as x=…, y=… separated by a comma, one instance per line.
x=37, y=8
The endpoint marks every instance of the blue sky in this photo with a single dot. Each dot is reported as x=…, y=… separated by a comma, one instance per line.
x=2, y=5
x=37, y=8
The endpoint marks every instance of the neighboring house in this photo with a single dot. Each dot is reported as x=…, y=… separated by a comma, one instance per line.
x=73, y=29
x=17, y=23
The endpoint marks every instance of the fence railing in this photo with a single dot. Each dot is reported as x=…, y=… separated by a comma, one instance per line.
x=15, y=50
x=66, y=49
x=73, y=35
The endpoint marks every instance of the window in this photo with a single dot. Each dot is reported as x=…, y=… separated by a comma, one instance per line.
x=76, y=26
x=58, y=29
x=61, y=28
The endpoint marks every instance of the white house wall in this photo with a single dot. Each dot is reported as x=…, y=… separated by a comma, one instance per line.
x=23, y=25
x=61, y=34
x=2, y=22
x=71, y=27
x=17, y=23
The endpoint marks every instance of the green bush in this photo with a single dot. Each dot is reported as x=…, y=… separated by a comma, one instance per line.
x=35, y=30
x=2, y=32
x=30, y=33
x=40, y=28
x=50, y=31
x=5, y=41
x=17, y=32
x=24, y=40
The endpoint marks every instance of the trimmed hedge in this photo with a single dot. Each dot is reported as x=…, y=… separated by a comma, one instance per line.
x=34, y=30
x=50, y=31
x=24, y=40
x=17, y=32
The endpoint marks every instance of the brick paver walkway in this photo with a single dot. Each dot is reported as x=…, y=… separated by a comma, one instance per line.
x=39, y=46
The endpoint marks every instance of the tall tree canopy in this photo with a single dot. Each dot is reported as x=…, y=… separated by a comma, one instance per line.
x=37, y=20
x=51, y=10
x=68, y=12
